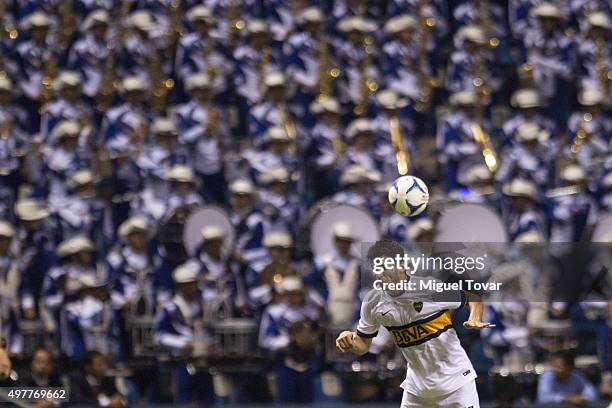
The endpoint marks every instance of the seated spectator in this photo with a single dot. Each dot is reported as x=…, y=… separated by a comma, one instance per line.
x=92, y=386
x=43, y=372
x=562, y=383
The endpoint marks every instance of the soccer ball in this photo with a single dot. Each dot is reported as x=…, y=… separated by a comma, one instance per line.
x=408, y=195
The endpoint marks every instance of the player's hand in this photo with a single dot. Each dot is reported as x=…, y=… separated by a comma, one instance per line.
x=477, y=324
x=346, y=341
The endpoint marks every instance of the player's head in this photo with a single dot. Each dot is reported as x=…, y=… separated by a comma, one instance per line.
x=562, y=365
x=384, y=250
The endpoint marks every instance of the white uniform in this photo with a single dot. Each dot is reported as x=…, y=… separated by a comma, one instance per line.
x=439, y=372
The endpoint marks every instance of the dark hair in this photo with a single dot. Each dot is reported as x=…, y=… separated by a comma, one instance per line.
x=44, y=349
x=567, y=358
x=89, y=356
x=385, y=249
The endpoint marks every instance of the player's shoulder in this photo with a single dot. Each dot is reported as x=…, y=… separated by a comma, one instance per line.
x=371, y=299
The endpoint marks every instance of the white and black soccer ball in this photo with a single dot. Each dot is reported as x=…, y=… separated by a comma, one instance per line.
x=408, y=195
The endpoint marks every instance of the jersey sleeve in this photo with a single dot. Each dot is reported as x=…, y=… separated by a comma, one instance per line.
x=368, y=326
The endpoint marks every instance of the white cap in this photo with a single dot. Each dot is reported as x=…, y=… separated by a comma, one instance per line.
x=133, y=83
x=418, y=227
x=81, y=177
x=133, y=224
x=477, y=173
x=389, y=99
x=530, y=236
x=591, y=96
x=276, y=133
x=30, y=210
x=530, y=131
x=212, y=232
x=599, y=19
x=289, y=284
x=84, y=281
x=359, y=126
x=37, y=19
x=242, y=186
x=310, y=15
x=573, y=173
x=66, y=79
x=199, y=13
x=356, y=173
x=99, y=16
x=6, y=84
x=163, y=125
x=74, y=245
x=356, y=24
x=463, y=98
x=400, y=23
x=66, y=128
x=526, y=98
x=546, y=10
x=280, y=239
x=274, y=79
x=325, y=105
x=343, y=230
x=607, y=180
x=142, y=20
x=185, y=273
x=6, y=230
x=520, y=187
x=257, y=26
x=197, y=81
x=275, y=174
x=472, y=33
x=180, y=173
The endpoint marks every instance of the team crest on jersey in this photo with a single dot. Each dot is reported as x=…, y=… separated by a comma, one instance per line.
x=418, y=306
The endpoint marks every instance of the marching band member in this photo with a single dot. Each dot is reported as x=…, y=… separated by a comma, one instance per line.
x=605, y=197
x=595, y=54
x=478, y=187
x=401, y=55
x=573, y=215
x=88, y=54
x=68, y=106
x=523, y=214
x=531, y=155
x=335, y=276
x=183, y=191
x=8, y=105
x=549, y=52
x=205, y=134
x=526, y=104
x=356, y=188
x=361, y=150
x=288, y=332
x=10, y=275
x=280, y=201
x=471, y=12
x=117, y=121
x=250, y=223
x=13, y=149
x=201, y=50
x=275, y=151
x=86, y=320
x=11, y=339
x=179, y=329
x=326, y=146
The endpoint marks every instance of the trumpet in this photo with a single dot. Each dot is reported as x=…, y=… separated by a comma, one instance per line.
x=488, y=151
x=426, y=83
x=49, y=73
x=161, y=86
x=173, y=32
x=234, y=20
x=287, y=122
x=66, y=16
x=485, y=23
x=401, y=156
x=368, y=85
x=604, y=74
x=581, y=135
x=327, y=73
x=6, y=31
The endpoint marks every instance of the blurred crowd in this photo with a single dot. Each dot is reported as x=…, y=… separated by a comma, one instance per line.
x=120, y=118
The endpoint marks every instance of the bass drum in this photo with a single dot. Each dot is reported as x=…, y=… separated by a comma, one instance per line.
x=603, y=229
x=203, y=217
x=326, y=214
x=170, y=234
x=470, y=223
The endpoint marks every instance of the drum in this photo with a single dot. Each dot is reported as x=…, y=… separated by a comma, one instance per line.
x=33, y=334
x=325, y=214
x=235, y=339
x=470, y=223
x=170, y=234
x=202, y=217
x=142, y=336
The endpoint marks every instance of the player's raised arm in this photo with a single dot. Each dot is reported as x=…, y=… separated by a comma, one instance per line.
x=351, y=341
x=474, y=321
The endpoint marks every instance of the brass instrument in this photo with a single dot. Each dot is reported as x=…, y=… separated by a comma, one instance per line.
x=109, y=83
x=287, y=122
x=581, y=135
x=426, y=83
x=233, y=16
x=368, y=85
x=488, y=151
x=604, y=73
x=264, y=61
x=401, y=156
x=173, y=33
x=485, y=23
x=67, y=22
x=327, y=73
x=161, y=85
x=49, y=73
x=6, y=31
